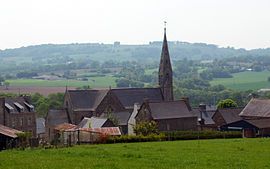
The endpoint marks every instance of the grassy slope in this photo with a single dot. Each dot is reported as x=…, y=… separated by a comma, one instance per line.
x=98, y=82
x=230, y=153
x=245, y=81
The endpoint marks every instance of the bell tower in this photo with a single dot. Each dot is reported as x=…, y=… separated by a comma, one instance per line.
x=165, y=74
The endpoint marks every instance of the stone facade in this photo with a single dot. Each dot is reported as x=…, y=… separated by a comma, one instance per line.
x=23, y=119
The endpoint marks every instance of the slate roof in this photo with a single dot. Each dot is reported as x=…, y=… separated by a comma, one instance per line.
x=170, y=110
x=122, y=117
x=17, y=105
x=55, y=117
x=93, y=122
x=257, y=108
x=260, y=123
x=129, y=96
x=207, y=115
x=10, y=132
x=230, y=114
x=40, y=124
x=86, y=100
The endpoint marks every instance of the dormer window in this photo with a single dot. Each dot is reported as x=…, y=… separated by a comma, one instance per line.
x=29, y=106
x=19, y=107
x=9, y=108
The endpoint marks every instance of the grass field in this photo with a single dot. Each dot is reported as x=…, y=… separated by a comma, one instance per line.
x=219, y=153
x=93, y=82
x=245, y=81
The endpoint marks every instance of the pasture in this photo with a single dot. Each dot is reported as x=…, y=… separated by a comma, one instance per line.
x=245, y=81
x=218, y=153
x=93, y=82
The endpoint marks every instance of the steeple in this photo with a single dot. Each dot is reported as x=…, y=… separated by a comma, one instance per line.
x=165, y=70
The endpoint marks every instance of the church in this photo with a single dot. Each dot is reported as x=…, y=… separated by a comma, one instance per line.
x=119, y=102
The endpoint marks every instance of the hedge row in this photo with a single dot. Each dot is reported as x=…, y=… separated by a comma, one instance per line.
x=192, y=135
x=177, y=135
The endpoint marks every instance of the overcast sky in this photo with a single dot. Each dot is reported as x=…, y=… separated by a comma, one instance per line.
x=235, y=23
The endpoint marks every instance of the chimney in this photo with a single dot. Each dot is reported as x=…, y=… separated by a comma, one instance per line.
x=146, y=100
x=202, y=108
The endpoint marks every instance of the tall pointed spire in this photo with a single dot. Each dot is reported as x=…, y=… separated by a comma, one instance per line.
x=165, y=70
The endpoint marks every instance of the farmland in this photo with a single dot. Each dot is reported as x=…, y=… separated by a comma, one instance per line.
x=245, y=81
x=93, y=82
x=219, y=153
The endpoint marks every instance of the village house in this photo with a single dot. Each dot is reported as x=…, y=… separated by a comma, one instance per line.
x=8, y=137
x=169, y=115
x=225, y=116
x=254, y=119
x=18, y=113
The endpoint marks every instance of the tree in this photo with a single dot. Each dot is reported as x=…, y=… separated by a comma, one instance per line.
x=227, y=103
x=146, y=128
x=6, y=83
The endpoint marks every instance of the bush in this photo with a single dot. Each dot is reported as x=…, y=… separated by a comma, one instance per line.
x=146, y=128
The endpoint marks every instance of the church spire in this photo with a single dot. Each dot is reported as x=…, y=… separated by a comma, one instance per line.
x=165, y=70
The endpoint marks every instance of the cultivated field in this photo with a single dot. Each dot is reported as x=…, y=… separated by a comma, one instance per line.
x=219, y=153
x=93, y=82
x=245, y=81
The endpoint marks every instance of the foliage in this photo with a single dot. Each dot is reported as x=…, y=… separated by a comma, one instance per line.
x=136, y=138
x=146, y=128
x=24, y=139
x=43, y=104
x=227, y=103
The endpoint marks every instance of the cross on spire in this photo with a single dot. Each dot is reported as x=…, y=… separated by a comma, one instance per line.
x=165, y=24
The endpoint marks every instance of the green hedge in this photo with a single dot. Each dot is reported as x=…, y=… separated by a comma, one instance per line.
x=177, y=135
x=191, y=135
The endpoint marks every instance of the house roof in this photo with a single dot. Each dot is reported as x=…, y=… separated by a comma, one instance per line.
x=257, y=108
x=10, y=132
x=93, y=122
x=230, y=114
x=64, y=126
x=55, y=117
x=170, y=109
x=129, y=96
x=86, y=100
x=17, y=105
x=40, y=124
x=260, y=123
x=113, y=131
x=206, y=115
x=122, y=117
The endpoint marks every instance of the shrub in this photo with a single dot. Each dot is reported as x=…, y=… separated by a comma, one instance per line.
x=146, y=128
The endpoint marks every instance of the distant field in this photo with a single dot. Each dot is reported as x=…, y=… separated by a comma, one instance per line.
x=245, y=81
x=220, y=153
x=94, y=82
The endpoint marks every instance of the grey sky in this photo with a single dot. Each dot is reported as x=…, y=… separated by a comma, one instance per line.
x=237, y=23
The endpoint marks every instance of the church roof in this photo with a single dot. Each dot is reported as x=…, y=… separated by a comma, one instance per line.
x=86, y=100
x=129, y=96
x=170, y=110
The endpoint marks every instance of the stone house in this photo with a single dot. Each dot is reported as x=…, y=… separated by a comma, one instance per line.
x=18, y=113
x=169, y=115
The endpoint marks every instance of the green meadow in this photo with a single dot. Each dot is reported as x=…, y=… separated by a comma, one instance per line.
x=218, y=153
x=104, y=81
x=245, y=81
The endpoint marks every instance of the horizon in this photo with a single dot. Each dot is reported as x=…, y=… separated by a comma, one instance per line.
x=237, y=24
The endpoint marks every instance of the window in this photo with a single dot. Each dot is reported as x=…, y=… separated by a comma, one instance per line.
x=29, y=121
x=21, y=122
x=13, y=122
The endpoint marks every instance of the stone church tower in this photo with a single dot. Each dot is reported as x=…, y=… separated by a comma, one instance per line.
x=165, y=79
